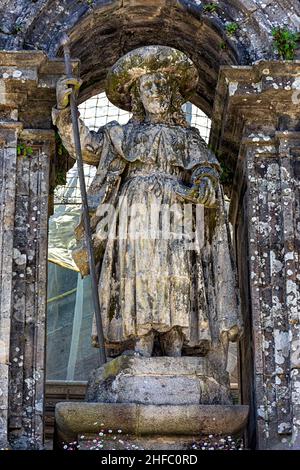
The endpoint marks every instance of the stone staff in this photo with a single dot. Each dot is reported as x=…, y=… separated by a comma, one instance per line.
x=86, y=219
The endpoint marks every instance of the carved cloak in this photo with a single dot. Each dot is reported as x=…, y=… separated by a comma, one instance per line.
x=211, y=301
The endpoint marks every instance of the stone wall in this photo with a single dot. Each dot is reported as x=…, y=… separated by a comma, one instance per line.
x=27, y=148
x=103, y=30
x=257, y=111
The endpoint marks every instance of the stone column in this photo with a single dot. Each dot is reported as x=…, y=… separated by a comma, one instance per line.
x=8, y=143
x=256, y=133
x=27, y=154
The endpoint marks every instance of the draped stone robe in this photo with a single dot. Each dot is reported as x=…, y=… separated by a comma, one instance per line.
x=154, y=283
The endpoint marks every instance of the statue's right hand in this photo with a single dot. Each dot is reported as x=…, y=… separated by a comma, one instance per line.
x=64, y=88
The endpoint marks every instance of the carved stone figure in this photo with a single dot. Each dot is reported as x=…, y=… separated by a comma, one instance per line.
x=156, y=285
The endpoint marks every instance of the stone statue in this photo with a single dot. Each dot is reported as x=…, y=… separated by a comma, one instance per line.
x=153, y=288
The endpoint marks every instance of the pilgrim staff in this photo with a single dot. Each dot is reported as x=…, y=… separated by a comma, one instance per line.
x=85, y=207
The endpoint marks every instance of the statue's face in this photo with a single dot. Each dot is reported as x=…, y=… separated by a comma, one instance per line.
x=155, y=93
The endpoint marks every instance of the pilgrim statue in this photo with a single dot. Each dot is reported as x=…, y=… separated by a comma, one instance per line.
x=157, y=284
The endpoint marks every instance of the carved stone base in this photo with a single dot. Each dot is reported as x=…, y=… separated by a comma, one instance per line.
x=151, y=403
x=147, y=426
x=159, y=381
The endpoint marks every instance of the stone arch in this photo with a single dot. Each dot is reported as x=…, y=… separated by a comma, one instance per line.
x=103, y=30
x=101, y=36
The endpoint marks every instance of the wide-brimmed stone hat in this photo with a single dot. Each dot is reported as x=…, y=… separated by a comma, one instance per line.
x=145, y=60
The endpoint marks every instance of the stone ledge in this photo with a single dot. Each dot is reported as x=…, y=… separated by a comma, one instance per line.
x=74, y=418
x=163, y=366
x=22, y=60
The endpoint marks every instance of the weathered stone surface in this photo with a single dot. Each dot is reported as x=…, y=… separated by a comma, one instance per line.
x=73, y=419
x=26, y=385
x=106, y=29
x=100, y=33
x=8, y=141
x=159, y=381
x=260, y=124
x=26, y=149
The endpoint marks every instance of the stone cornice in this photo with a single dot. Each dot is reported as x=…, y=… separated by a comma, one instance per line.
x=44, y=134
x=263, y=98
x=263, y=86
x=10, y=125
x=27, y=86
x=258, y=69
x=34, y=59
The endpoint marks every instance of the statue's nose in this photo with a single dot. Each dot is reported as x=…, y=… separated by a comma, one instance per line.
x=154, y=87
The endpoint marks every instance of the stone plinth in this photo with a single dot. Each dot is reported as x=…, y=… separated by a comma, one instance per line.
x=157, y=403
x=159, y=381
x=153, y=426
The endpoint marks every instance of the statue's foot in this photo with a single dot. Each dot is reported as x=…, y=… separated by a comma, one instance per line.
x=144, y=345
x=172, y=342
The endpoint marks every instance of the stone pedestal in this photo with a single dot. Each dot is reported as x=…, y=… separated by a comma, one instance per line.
x=157, y=403
x=159, y=381
x=148, y=426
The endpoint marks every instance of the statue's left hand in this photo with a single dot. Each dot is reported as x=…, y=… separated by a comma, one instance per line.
x=234, y=334
x=205, y=192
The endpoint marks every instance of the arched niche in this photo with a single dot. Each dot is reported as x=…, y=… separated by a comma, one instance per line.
x=101, y=37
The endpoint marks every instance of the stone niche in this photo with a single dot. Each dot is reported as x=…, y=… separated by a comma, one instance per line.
x=166, y=395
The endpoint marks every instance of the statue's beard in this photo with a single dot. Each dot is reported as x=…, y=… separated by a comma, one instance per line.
x=156, y=113
x=156, y=108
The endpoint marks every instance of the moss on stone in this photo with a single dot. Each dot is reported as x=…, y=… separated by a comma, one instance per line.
x=114, y=367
